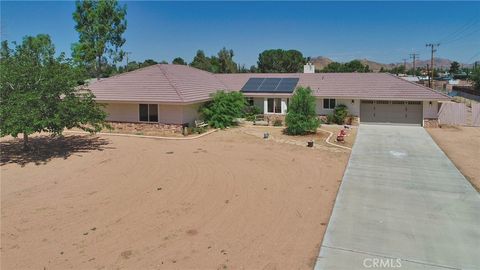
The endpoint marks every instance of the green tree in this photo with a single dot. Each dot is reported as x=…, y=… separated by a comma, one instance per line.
x=454, y=68
x=202, y=62
x=39, y=92
x=334, y=67
x=225, y=61
x=280, y=61
x=301, y=116
x=100, y=25
x=179, y=61
x=475, y=78
x=223, y=109
x=352, y=66
x=148, y=62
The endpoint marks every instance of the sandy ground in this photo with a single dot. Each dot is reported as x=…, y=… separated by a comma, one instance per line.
x=462, y=146
x=229, y=200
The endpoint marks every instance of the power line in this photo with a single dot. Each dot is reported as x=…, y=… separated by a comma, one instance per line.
x=432, y=66
x=462, y=36
x=460, y=30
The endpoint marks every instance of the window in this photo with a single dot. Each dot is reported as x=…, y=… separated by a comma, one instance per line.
x=329, y=103
x=148, y=112
x=250, y=101
x=271, y=105
x=274, y=105
x=144, y=112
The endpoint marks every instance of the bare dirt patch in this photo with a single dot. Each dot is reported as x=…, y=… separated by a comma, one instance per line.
x=277, y=134
x=227, y=200
x=462, y=146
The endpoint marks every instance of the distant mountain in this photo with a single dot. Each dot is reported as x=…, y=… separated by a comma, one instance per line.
x=321, y=61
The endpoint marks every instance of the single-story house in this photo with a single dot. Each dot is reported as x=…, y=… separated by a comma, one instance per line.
x=172, y=94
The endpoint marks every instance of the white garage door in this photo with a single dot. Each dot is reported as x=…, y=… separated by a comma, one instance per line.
x=394, y=112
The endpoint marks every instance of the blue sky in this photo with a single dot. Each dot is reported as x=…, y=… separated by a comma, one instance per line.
x=380, y=31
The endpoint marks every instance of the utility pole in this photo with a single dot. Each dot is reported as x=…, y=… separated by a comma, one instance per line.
x=432, y=66
x=405, y=64
x=414, y=56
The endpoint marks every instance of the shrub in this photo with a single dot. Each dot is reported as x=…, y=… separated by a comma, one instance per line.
x=198, y=130
x=339, y=114
x=301, y=117
x=330, y=118
x=223, y=109
x=251, y=111
x=277, y=122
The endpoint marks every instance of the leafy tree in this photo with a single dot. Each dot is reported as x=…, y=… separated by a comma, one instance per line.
x=454, y=67
x=223, y=109
x=280, y=61
x=301, y=116
x=475, y=78
x=148, y=62
x=200, y=61
x=334, y=67
x=100, y=25
x=179, y=61
x=225, y=61
x=39, y=92
x=352, y=66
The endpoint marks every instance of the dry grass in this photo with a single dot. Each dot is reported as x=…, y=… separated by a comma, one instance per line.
x=462, y=146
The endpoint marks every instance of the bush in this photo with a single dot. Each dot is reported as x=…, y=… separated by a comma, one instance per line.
x=198, y=130
x=251, y=111
x=339, y=114
x=223, y=109
x=301, y=117
x=277, y=122
x=330, y=119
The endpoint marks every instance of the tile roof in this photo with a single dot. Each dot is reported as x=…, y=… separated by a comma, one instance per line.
x=164, y=83
x=161, y=83
x=347, y=85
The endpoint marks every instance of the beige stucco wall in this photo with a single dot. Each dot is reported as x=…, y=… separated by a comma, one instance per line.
x=167, y=114
x=353, y=108
x=190, y=113
x=122, y=112
x=170, y=114
x=430, y=111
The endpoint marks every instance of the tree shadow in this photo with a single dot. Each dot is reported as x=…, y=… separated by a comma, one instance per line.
x=45, y=148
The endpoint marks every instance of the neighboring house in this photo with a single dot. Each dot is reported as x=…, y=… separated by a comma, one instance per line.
x=172, y=94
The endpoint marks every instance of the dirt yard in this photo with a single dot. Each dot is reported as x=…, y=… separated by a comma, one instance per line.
x=228, y=200
x=462, y=146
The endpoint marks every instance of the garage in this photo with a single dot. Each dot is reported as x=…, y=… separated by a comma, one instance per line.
x=391, y=112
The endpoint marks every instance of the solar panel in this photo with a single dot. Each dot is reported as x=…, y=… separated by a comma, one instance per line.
x=252, y=84
x=270, y=85
x=287, y=85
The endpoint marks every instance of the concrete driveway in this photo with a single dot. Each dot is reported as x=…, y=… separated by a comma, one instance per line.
x=402, y=204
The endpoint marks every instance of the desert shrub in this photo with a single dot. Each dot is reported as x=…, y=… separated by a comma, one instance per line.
x=330, y=119
x=301, y=117
x=277, y=122
x=251, y=111
x=339, y=114
x=198, y=130
x=223, y=109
